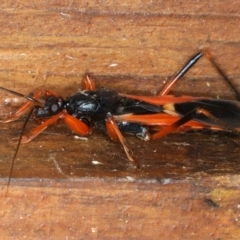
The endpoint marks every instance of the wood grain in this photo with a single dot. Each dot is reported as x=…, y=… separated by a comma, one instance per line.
x=188, y=184
x=104, y=209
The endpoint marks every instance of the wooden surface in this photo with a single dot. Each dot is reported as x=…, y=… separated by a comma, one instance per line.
x=188, y=186
x=193, y=208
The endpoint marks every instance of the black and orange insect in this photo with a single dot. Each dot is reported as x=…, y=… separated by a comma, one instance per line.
x=147, y=117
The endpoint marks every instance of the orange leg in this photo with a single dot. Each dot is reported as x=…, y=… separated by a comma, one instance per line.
x=166, y=89
x=157, y=119
x=187, y=119
x=27, y=106
x=115, y=134
x=174, y=126
x=89, y=83
x=76, y=125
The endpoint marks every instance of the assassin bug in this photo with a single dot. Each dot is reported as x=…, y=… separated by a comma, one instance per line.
x=117, y=113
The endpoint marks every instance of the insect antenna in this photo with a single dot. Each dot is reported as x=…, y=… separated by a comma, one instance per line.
x=36, y=104
x=21, y=95
x=18, y=145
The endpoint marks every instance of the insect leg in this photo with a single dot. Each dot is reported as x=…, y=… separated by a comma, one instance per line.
x=115, y=134
x=220, y=71
x=166, y=89
x=27, y=106
x=158, y=119
x=37, y=130
x=188, y=117
x=74, y=123
x=89, y=83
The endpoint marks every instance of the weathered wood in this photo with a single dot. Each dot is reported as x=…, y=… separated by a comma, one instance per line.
x=188, y=184
x=193, y=208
